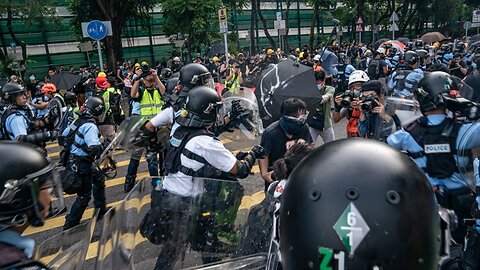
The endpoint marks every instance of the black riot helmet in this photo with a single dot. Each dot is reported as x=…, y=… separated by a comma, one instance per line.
x=25, y=172
x=410, y=58
x=431, y=89
x=419, y=44
x=202, y=108
x=93, y=107
x=11, y=90
x=194, y=74
x=342, y=58
x=378, y=213
x=170, y=85
x=166, y=73
x=70, y=98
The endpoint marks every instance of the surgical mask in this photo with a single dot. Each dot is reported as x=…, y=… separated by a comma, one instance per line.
x=32, y=78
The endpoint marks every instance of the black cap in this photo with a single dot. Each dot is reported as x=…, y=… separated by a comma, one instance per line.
x=373, y=85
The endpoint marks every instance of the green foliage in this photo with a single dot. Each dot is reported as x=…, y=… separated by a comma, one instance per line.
x=196, y=19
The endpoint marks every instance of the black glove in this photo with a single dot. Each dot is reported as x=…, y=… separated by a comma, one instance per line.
x=241, y=155
x=258, y=152
x=237, y=110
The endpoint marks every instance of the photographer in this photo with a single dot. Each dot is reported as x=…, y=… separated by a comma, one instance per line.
x=346, y=103
x=234, y=78
x=457, y=67
x=371, y=108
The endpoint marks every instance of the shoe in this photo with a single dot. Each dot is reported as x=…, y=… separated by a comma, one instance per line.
x=101, y=211
x=69, y=225
x=128, y=186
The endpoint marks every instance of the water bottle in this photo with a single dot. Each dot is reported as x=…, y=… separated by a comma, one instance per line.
x=158, y=185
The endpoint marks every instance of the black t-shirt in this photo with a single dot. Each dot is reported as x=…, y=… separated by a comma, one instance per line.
x=274, y=142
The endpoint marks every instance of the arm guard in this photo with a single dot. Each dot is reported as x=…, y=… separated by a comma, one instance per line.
x=38, y=137
x=94, y=151
x=245, y=166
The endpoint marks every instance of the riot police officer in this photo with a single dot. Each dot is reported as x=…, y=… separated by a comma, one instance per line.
x=81, y=138
x=27, y=182
x=18, y=122
x=194, y=151
x=432, y=142
x=402, y=81
x=359, y=217
x=191, y=75
x=342, y=72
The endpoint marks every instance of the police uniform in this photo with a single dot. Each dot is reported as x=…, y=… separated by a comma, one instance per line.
x=17, y=123
x=437, y=159
x=86, y=135
x=342, y=73
x=402, y=81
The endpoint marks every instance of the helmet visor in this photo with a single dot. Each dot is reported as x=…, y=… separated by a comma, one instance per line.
x=46, y=180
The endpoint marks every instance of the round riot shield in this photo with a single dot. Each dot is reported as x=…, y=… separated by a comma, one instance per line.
x=468, y=154
x=66, y=250
x=154, y=228
x=54, y=114
x=400, y=113
x=246, y=125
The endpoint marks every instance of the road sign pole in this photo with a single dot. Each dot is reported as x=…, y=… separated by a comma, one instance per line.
x=99, y=48
x=226, y=46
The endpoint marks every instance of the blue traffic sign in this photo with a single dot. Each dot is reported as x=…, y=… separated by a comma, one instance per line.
x=96, y=30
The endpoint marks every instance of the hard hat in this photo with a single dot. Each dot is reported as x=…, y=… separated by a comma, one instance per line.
x=102, y=74
x=49, y=88
x=215, y=59
x=297, y=49
x=269, y=51
x=137, y=65
x=316, y=57
x=381, y=50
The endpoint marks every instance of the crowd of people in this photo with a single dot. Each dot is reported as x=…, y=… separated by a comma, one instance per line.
x=181, y=109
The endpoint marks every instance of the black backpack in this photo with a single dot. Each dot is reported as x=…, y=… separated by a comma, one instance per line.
x=373, y=69
x=115, y=109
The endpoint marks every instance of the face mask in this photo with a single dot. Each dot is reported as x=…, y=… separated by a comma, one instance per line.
x=474, y=65
x=32, y=78
x=292, y=126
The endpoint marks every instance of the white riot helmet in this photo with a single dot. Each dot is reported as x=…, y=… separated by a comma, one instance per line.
x=358, y=76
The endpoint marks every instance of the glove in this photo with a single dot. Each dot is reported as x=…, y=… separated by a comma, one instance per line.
x=258, y=152
x=237, y=110
x=241, y=155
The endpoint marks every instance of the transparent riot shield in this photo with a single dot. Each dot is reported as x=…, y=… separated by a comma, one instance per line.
x=468, y=153
x=249, y=125
x=400, y=113
x=154, y=228
x=67, y=250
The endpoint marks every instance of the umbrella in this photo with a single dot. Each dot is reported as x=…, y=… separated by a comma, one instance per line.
x=474, y=39
x=473, y=80
x=379, y=42
x=216, y=49
x=65, y=80
x=432, y=37
x=282, y=81
x=394, y=44
x=403, y=40
x=329, y=61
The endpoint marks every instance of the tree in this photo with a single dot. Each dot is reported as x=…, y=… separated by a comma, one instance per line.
x=116, y=11
x=28, y=12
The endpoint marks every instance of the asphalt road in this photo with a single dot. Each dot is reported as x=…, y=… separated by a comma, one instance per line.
x=253, y=186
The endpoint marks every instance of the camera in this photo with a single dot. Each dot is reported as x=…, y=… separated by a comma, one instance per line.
x=347, y=98
x=145, y=70
x=369, y=103
x=463, y=106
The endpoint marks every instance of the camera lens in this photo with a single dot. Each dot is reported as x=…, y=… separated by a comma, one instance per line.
x=346, y=102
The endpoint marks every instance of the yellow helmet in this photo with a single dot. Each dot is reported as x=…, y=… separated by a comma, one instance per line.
x=215, y=59
x=102, y=74
x=297, y=49
x=144, y=63
x=269, y=51
x=279, y=50
x=137, y=65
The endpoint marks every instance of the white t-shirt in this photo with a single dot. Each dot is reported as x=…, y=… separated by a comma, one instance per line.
x=213, y=151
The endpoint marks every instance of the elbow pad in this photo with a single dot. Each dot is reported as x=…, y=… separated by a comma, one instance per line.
x=245, y=166
x=95, y=150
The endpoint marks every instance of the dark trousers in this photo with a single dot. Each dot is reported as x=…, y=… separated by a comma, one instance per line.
x=93, y=181
x=154, y=162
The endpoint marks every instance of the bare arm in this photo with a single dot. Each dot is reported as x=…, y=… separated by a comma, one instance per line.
x=266, y=175
x=134, y=92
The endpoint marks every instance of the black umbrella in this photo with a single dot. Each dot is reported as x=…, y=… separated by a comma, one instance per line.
x=218, y=48
x=65, y=80
x=473, y=80
x=379, y=42
x=474, y=38
x=404, y=40
x=282, y=81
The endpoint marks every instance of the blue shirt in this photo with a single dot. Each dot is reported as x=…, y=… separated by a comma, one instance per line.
x=17, y=124
x=90, y=137
x=402, y=140
x=411, y=81
x=135, y=107
x=13, y=238
x=39, y=114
